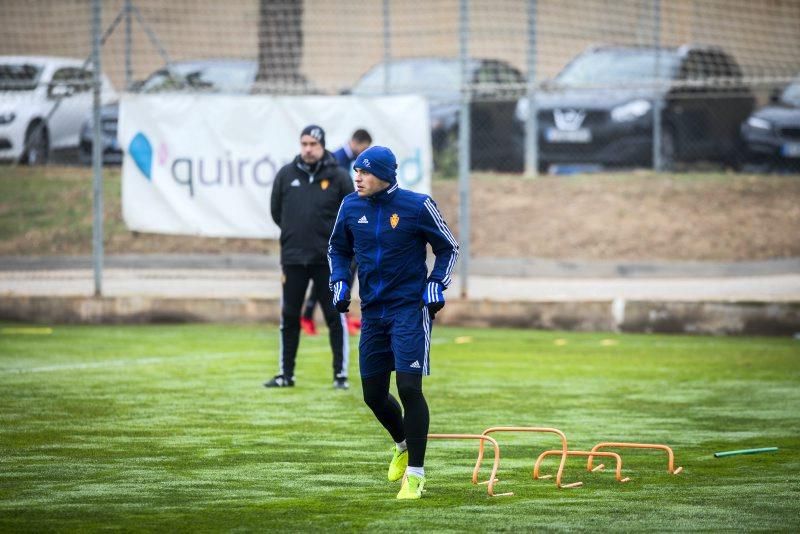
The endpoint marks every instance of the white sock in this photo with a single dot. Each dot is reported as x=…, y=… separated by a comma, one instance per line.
x=416, y=471
x=401, y=446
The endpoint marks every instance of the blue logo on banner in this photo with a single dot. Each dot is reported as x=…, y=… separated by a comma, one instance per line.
x=142, y=153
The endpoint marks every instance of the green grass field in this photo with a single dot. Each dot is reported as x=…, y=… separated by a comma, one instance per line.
x=168, y=428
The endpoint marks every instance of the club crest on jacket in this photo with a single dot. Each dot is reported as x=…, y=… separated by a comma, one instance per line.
x=394, y=220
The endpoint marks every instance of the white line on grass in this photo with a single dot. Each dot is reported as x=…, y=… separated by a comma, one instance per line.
x=157, y=360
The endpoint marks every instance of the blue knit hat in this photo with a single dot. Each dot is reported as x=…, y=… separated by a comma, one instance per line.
x=380, y=161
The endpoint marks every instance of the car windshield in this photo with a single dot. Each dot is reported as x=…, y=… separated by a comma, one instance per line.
x=218, y=77
x=20, y=77
x=606, y=67
x=791, y=95
x=431, y=78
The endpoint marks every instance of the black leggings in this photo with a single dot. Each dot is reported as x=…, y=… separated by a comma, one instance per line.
x=413, y=427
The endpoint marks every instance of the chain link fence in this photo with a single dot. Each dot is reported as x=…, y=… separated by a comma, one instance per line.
x=613, y=84
x=513, y=86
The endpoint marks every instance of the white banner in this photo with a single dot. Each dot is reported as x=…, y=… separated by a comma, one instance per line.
x=204, y=164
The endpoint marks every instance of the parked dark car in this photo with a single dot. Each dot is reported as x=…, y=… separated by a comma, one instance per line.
x=599, y=109
x=772, y=133
x=495, y=143
x=207, y=75
x=221, y=75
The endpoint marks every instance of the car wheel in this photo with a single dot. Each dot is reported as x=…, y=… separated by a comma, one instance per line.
x=543, y=166
x=669, y=150
x=85, y=153
x=737, y=157
x=37, y=145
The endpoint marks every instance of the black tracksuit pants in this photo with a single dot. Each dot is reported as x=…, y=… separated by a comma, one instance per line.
x=295, y=283
x=308, y=311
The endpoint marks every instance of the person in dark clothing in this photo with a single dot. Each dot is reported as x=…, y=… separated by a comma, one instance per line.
x=306, y=196
x=388, y=230
x=345, y=156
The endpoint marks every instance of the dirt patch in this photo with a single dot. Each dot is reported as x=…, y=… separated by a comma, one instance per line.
x=631, y=217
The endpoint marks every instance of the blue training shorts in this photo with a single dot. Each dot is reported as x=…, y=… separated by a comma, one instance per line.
x=400, y=342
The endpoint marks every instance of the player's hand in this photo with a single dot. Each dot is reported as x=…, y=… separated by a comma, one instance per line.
x=433, y=297
x=341, y=296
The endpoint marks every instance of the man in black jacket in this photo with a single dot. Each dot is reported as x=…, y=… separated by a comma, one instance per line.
x=306, y=196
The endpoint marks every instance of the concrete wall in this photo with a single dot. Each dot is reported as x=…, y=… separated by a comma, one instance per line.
x=729, y=318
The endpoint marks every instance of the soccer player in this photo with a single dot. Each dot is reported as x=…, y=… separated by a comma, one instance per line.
x=388, y=229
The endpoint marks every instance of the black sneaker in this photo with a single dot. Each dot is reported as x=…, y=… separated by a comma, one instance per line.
x=279, y=381
x=341, y=383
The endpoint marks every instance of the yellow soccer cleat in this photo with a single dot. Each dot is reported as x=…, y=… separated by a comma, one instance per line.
x=412, y=487
x=397, y=467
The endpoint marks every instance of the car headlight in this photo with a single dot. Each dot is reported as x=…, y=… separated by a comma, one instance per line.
x=521, y=110
x=631, y=110
x=759, y=123
x=7, y=117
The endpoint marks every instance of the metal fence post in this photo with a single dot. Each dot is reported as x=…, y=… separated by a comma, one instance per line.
x=128, y=46
x=658, y=165
x=463, y=146
x=387, y=45
x=532, y=120
x=97, y=154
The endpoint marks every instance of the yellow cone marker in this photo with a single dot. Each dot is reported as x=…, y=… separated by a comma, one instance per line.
x=44, y=331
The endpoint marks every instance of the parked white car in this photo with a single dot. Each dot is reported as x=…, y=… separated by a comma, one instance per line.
x=30, y=88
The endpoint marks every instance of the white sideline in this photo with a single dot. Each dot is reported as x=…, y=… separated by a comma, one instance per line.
x=108, y=364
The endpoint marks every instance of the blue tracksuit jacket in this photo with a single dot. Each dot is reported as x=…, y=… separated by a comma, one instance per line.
x=345, y=157
x=388, y=233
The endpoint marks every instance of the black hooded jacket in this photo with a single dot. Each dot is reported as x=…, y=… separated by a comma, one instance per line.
x=305, y=202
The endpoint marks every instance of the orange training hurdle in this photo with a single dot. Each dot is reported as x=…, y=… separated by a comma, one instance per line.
x=614, y=455
x=482, y=438
x=526, y=429
x=609, y=444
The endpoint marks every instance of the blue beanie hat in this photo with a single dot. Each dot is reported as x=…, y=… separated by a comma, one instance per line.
x=380, y=161
x=316, y=132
